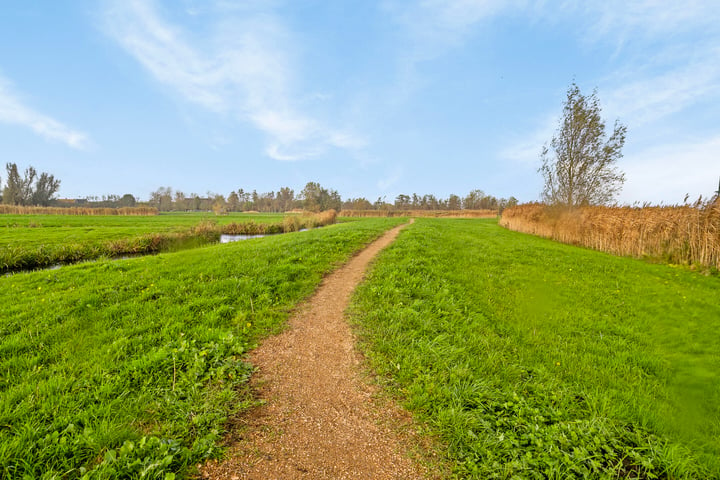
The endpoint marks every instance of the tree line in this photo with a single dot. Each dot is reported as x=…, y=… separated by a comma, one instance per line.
x=29, y=188
x=32, y=189
x=315, y=198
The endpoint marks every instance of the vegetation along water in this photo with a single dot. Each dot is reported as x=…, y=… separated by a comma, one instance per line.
x=34, y=241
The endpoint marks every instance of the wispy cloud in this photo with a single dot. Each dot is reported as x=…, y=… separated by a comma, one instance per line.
x=242, y=67
x=15, y=112
x=644, y=98
x=434, y=26
x=620, y=21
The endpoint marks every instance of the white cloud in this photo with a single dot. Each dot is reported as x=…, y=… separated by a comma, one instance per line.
x=243, y=67
x=620, y=20
x=644, y=97
x=13, y=111
x=669, y=172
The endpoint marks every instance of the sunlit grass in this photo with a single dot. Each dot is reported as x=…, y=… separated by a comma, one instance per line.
x=116, y=368
x=534, y=359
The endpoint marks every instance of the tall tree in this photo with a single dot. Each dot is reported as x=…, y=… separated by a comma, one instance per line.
x=28, y=189
x=233, y=202
x=127, y=200
x=579, y=167
x=12, y=194
x=45, y=187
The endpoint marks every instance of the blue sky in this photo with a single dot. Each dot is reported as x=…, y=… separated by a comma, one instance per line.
x=371, y=98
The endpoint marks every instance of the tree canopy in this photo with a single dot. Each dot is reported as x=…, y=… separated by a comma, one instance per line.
x=579, y=167
x=29, y=189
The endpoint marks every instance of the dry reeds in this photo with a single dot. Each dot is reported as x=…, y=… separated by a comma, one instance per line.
x=684, y=234
x=291, y=223
x=27, y=210
x=421, y=213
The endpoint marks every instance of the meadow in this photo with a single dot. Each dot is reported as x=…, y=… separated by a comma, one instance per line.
x=35, y=241
x=529, y=358
x=132, y=368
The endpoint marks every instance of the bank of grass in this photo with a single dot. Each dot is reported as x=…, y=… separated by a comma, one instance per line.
x=535, y=359
x=36, y=241
x=130, y=368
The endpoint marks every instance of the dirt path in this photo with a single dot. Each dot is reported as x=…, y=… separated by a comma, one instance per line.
x=321, y=420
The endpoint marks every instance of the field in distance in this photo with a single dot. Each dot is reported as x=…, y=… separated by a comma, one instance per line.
x=32, y=241
x=535, y=359
x=28, y=230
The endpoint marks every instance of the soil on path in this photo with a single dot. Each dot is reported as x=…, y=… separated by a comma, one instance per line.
x=320, y=419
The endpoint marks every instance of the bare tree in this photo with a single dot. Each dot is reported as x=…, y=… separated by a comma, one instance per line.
x=579, y=167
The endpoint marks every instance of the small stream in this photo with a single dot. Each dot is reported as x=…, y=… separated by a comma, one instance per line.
x=223, y=239
x=236, y=238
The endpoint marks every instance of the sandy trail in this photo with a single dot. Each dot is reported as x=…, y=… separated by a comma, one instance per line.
x=321, y=420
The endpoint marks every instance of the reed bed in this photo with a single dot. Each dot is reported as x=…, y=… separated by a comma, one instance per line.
x=682, y=234
x=420, y=213
x=27, y=210
x=291, y=223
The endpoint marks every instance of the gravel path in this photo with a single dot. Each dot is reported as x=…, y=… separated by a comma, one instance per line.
x=321, y=419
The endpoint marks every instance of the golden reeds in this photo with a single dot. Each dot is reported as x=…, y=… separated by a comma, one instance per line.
x=420, y=213
x=685, y=234
x=27, y=210
x=291, y=223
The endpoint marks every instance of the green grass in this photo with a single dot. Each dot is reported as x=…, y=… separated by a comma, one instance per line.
x=130, y=368
x=32, y=241
x=533, y=359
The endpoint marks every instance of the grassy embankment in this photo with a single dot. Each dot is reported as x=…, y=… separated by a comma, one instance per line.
x=33, y=241
x=130, y=368
x=535, y=359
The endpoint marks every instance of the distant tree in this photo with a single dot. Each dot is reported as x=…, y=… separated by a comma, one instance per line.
x=454, y=202
x=28, y=189
x=317, y=199
x=180, y=202
x=311, y=196
x=286, y=199
x=45, y=187
x=360, y=203
x=233, y=202
x=581, y=169
x=12, y=194
x=127, y=200
x=219, y=205
x=472, y=200
x=195, y=202
x=402, y=202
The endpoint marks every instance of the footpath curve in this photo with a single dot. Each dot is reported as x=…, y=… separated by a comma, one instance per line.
x=320, y=419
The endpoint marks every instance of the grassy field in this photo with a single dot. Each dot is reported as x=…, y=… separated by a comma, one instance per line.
x=129, y=368
x=535, y=359
x=32, y=241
